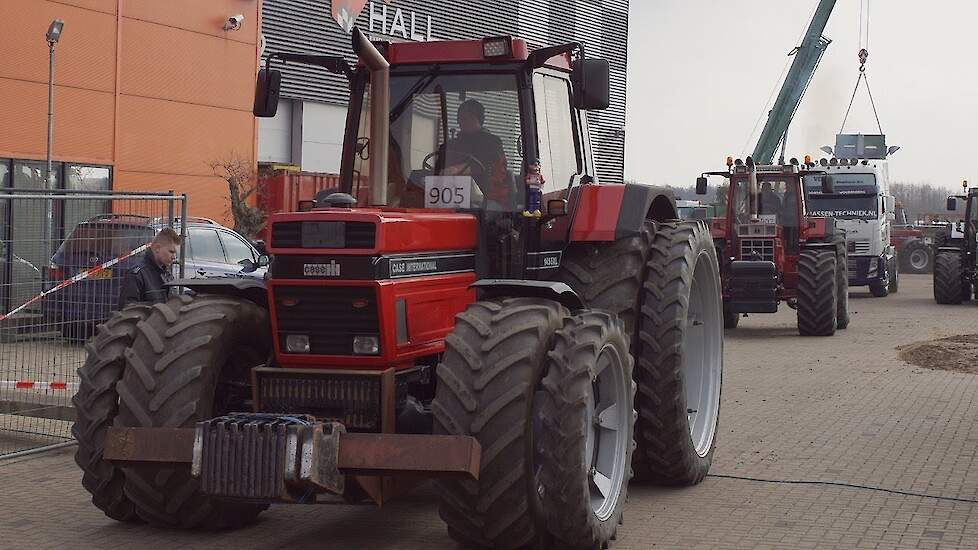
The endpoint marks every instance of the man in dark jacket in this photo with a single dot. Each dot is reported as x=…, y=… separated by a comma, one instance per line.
x=475, y=141
x=145, y=282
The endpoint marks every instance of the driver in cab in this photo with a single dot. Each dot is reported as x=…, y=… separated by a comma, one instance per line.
x=474, y=143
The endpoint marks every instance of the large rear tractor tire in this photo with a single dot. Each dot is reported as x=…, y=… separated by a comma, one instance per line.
x=190, y=361
x=917, y=257
x=841, y=288
x=950, y=286
x=488, y=379
x=817, y=297
x=609, y=276
x=584, y=450
x=679, y=357
x=96, y=405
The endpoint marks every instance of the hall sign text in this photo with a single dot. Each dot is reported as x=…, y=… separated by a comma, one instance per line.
x=397, y=22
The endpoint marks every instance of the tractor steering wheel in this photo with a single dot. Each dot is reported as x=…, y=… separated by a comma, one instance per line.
x=476, y=168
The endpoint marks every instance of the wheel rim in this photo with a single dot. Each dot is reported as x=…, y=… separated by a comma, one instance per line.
x=702, y=360
x=918, y=259
x=608, y=439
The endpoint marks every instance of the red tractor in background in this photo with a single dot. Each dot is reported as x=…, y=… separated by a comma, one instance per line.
x=914, y=247
x=771, y=251
x=507, y=326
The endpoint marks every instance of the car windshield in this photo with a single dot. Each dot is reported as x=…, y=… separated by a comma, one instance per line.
x=454, y=143
x=103, y=241
x=855, y=197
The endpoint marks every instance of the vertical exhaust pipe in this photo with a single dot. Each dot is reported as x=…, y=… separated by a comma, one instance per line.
x=753, y=193
x=379, y=114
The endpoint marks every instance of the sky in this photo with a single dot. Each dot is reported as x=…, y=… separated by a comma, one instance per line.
x=701, y=72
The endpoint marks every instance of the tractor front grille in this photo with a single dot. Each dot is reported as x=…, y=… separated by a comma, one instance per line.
x=329, y=316
x=355, y=234
x=763, y=247
x=352, y=399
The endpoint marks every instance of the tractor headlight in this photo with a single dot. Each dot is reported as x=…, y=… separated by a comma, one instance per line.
x=366, y=345
x=297, y=343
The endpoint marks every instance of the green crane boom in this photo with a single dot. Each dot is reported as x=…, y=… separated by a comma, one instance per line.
x=807, y=56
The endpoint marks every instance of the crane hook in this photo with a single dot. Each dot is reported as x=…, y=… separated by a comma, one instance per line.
x=863, y=56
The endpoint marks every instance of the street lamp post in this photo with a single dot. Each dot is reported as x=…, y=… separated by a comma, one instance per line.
x=52, y=37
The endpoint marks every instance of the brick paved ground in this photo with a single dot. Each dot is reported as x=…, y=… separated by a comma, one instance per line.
x=834, y=409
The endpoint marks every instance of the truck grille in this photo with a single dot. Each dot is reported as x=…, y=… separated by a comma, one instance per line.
x=329, y=316
x=353, y=400
x=858, y=247
x=356, y=234
x=763, y=247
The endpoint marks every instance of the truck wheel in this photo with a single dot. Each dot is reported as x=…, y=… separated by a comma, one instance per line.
x=584, y=449
x=730, y=318
x=488, y=379
x=679, y=357
x=841, y=288
x=191, y=360
x=817, y=298
x=96, y=405
x=919, y=258
x=893, y=273
x=949, y=284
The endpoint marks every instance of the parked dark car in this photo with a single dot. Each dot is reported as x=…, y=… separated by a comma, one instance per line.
x=211, y=250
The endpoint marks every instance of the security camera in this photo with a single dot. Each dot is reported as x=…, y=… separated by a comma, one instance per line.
x=234, y=22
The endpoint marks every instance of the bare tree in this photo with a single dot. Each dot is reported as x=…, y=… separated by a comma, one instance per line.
x=242, y=184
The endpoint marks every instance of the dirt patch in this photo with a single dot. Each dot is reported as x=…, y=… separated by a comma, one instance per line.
x=954, y=353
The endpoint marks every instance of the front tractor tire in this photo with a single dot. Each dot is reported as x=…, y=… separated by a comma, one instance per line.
x=96, y=404
x=950, y=286
x=842, y=316
x=679, y=357
x=817, y=297
x=584, y=452
x=487, y=381
x=190, y=361
x=918, y=257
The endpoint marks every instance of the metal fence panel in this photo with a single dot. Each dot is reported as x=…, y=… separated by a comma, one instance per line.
x=63, y=256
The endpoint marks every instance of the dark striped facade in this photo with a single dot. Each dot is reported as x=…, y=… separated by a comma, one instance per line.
x=601, y=25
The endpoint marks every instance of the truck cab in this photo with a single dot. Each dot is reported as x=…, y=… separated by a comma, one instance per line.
x=863, y=206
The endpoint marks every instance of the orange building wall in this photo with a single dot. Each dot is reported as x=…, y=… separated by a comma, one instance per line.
x=155, y=88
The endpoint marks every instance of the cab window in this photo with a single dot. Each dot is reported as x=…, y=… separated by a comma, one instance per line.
x=555, y=131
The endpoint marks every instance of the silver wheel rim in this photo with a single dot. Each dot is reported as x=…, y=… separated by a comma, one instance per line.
x=703, y=357
x=608, y=438
x=918, y=259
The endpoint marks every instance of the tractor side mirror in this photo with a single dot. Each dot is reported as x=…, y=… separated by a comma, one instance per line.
x=592, y=84
x=305, y=206
x=556, y=207
x=828, y=185
x=701, y=185
x=952, y=204
x=267, y=90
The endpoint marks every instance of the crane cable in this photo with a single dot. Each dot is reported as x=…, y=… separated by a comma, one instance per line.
x=863, y=57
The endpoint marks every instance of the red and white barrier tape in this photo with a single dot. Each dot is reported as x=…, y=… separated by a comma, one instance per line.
x=68, y=282
x=35, y=385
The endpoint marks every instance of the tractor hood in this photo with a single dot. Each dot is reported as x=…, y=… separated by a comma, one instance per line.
x=368, y=231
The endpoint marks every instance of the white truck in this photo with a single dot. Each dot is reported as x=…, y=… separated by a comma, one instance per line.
x=863, y=206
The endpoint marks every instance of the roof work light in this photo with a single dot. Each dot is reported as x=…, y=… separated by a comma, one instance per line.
x=497, y=46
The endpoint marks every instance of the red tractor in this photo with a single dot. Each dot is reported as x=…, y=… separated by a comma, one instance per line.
x=914, y=247
x=772, y=251
x=491, y=317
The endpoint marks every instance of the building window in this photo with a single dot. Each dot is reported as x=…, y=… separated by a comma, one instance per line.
x=82, y=177
x=29, y=174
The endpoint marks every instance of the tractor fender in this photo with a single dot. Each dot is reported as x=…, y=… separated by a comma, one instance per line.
x=614, y=212
x=550, y=290
x=249, y=289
